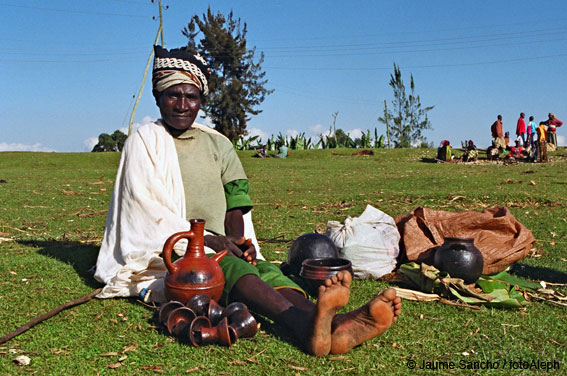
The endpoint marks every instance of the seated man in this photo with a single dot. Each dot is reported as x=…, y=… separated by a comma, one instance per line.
x=174, y=170
x=261, y=153
x=471, y=152
x=283, y=152
x=492, y=152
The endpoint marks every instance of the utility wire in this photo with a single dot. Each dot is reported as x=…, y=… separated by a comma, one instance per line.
x=295, y=68
x=476, y=38
x=71, y=11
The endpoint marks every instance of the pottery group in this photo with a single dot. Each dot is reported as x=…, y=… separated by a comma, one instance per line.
x=202, y=321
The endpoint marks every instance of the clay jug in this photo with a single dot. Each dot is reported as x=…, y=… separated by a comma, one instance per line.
x=460, y=258
x=194, y=273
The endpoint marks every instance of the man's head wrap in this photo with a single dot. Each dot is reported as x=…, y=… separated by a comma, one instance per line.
x=179, y=66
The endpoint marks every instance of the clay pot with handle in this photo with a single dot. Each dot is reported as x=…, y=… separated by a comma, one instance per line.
x=195, y=273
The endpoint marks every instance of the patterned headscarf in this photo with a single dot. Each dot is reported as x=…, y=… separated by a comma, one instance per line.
x=179, y=66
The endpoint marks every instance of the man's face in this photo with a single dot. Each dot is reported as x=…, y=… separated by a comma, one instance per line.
x=179, y=105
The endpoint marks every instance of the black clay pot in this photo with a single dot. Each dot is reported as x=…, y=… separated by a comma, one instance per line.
x=311, y=245
x=460, y=258
x=315, y=271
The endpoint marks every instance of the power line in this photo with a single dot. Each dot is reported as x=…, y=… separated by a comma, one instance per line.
x=411, y=43
x=392, y=50
x=515, y=60
x=554, y=21
x=71, y=11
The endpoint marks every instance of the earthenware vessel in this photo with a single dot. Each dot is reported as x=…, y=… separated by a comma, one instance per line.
x=232, y=308
x=194, y=273
x=214, y=313
x=199, y=304
x=165, y=309
x=310, y=245
x=460, y=258
x=315, y=271
x=179, y=321
x=221, y=334
x=243, y=323
x=195, y=328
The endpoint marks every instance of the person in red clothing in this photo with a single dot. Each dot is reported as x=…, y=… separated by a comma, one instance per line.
x=552, y=125
x=518, y=151
x=497, y=134
x=521, y=129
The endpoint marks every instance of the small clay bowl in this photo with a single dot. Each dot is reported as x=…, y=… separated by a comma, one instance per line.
x=214, y=312
x=232, y=308
x=195, y=328
x=179, y=321
x=221, y=334
x=316, y=270
x=165, y=310
x=199, y=304
x=243, y=323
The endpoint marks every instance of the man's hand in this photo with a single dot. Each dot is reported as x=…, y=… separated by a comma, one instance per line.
x=237, y=247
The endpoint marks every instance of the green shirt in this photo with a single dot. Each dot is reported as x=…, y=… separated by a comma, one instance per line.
x=213, y=178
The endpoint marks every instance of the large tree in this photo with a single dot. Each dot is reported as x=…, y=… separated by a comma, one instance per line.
x=237, y=83
x=110, y=142
x=407, y=119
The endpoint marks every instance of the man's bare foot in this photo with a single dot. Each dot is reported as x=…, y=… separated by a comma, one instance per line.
x=333, y=295
x=372, y=319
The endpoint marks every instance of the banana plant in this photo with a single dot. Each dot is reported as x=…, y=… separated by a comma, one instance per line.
x=245, y=143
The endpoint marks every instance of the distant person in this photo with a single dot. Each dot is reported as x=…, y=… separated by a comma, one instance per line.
x=531, y=131
x=261, y=153
x=283, y=152
x=507, y=139
x=471, y=152
x=552, y=125
x=444, y=151
x=521, y=128
x=541, y=143
x=497, y=133
x=492, y=152
x=518, y=151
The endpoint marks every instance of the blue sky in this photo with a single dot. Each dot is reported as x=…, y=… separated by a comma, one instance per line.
x=69, y=69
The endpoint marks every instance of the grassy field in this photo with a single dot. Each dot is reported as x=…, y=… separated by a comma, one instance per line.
x=52, y=215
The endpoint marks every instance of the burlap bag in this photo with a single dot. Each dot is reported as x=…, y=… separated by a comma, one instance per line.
x=500, y=238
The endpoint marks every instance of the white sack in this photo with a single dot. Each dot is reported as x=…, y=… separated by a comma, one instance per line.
x=370, y=242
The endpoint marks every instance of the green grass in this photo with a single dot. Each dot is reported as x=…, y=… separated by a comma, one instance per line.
x=53, y=206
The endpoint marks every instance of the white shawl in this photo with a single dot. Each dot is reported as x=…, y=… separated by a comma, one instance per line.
x=147, y=206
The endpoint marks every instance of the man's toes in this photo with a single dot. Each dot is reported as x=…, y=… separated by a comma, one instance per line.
x=347, y=278
x=389, y=295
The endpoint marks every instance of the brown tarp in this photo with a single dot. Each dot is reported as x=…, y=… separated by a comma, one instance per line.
x=500, y=238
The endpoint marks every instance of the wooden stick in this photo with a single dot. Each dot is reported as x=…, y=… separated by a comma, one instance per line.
x=49, y=314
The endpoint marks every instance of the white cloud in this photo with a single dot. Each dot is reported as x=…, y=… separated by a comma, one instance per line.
x=316, y=130
x=89, y=143
x=258, y=132
x=145, y=120
x=292, y=132
x=24, y=147
x=355, y=133
x=561, y=141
